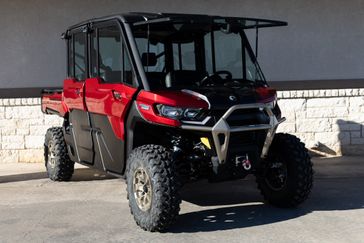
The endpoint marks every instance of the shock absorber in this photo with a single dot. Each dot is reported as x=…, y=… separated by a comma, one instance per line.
x=178, y=156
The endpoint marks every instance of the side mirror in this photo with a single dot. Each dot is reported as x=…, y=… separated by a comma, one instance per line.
x=149, y=59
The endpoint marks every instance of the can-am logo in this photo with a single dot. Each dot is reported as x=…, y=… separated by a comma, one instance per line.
x=232, y=98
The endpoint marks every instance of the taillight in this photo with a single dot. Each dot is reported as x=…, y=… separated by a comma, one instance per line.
x=266, y=94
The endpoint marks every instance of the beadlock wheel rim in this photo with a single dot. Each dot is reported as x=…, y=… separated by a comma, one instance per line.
x=51, y=157
x=142, y=189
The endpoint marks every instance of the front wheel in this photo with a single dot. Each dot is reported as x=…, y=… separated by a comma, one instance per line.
x=287, y=176
x=152, y=187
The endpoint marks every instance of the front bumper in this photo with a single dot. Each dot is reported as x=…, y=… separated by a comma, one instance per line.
x=223, y=128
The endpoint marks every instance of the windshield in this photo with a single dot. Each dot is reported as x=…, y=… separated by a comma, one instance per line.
x=194, y=55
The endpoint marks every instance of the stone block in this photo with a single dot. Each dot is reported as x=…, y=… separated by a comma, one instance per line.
x=12, y=142
x=349, y=92
x=8, y=130
x=29, y=122
x=292, y=104
x=31, y=155
x=17, y=102
x=356, y=134
x=314, y=125
x=23, y=112
x=326, y=102
x=290, y=116
x=342, y=92
x=316, y=93
x=24, y=101
x=6, y=102
x=287, y=127
x=299, y=93
x=357, y=141
x=9, y=156
x=52, y=120
x=7, y=123
x=355, y=92
x=356, y=101
x=2, y=112
x=300, y=115
x=356, y=117
x=335, y=92
x=22, y=131
x=348, y=127
x=34, y=142
x=327, y=112
x=38, y=130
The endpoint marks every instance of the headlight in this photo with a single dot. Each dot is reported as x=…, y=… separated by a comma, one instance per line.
x=170, y=111
x=177, y=113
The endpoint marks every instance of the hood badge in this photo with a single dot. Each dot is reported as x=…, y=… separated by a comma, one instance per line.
x=232, y=98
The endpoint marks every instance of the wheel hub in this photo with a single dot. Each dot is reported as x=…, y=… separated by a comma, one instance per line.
x=142, y=189
x=276, y=175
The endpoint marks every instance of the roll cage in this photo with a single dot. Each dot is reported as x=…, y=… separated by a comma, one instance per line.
x=129, y=20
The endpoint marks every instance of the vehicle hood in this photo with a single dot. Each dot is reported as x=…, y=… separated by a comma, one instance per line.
x=223, y=97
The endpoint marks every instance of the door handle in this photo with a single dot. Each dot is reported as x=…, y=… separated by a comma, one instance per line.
x=117, y=95
x=77, y=91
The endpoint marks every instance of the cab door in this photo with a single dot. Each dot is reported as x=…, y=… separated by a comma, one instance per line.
x=108, y=95
x=74, y=90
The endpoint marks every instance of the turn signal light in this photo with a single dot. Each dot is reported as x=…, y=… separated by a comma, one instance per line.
x=266, y=94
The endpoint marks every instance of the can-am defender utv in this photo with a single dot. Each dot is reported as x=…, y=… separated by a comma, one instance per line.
x=161, y=99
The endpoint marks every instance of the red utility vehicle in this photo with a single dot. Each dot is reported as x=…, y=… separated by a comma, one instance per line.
x=162, y=99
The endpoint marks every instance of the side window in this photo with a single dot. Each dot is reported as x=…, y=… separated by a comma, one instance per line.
x=79, y=45
x=109, y=59
x=110, y=54
x=70, y=57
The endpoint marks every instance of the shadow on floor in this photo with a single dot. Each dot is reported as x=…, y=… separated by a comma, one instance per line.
x=239, y=204
x=81, y=174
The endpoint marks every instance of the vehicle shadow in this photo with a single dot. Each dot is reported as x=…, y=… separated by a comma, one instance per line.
x=80, y=174
x=239, y=205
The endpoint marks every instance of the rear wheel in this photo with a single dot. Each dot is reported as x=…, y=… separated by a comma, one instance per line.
x=152, y=187
x=59, y=166
x=287, y=177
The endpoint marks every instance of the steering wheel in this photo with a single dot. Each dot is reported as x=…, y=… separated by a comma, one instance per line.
x=217, y=78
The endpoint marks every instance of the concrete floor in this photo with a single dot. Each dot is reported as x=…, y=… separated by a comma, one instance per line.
x=93, y=208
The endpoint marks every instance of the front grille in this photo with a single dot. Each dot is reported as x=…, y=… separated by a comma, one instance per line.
x=250, y=137
x=242, y=117
x=245, y=117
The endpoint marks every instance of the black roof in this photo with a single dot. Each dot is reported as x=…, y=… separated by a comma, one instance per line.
x=137, y=18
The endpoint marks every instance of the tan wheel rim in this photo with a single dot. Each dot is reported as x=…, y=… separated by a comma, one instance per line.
x=142, y=189
x=51, y=157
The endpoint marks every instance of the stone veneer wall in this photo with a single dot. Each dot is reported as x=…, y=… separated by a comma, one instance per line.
x=328, y=121
x=22, y=130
